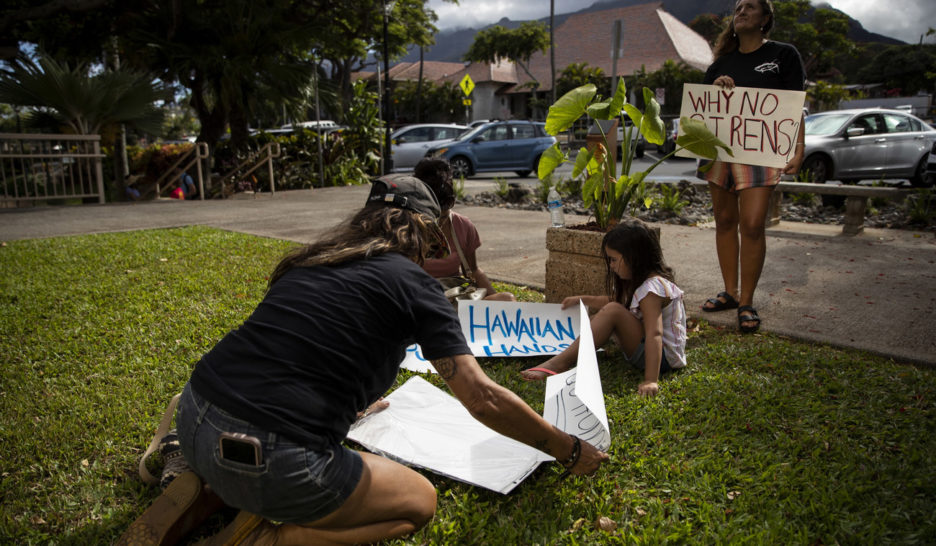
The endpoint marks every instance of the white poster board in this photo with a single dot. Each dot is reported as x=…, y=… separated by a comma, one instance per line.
x=759, y=125
x=426, y=427
x=508, y=329
x=575, y=400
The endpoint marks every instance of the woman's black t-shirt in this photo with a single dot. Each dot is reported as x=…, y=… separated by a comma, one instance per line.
x=324, y=343
x=774, y=65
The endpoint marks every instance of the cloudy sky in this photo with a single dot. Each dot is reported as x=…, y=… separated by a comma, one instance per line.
x=902, y=19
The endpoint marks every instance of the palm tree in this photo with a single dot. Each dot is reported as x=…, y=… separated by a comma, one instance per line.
x=58, y=96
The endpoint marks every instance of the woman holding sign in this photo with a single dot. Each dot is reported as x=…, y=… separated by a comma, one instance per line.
x=264, y=414
x=741, y=193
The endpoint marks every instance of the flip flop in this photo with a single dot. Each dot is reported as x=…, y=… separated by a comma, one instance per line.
x=546, y=371
x=719, y=305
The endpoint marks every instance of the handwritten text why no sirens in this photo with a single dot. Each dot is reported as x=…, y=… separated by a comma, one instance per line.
x=745, y=118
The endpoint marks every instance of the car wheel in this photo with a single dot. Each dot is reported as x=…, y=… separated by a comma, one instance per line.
x=461, y=167
x=817, y=168
x=639, y=152
x=523, y=174
x=918, y=180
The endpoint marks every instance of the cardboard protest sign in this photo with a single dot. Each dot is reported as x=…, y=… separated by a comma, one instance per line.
x=508, y=329
x=423, y=426
x=759, y=125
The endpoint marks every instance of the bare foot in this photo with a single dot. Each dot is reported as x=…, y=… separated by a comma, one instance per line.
x=538, y=374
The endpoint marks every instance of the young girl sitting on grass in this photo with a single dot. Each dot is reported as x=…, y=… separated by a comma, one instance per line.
x=644, y=311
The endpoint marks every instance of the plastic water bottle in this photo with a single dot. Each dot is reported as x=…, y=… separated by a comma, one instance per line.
x=554, y=204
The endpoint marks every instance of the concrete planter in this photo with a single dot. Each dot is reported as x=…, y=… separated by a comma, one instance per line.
x=574, y=265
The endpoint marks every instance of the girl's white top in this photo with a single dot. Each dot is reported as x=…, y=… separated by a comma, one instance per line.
x=674, y=317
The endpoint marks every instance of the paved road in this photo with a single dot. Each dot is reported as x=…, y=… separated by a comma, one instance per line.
x=876, y=291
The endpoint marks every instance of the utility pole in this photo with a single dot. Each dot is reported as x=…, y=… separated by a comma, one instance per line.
x=552, y=47
x=388, y=160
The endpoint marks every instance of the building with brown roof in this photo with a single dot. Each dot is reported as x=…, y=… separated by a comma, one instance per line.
x=649, y=37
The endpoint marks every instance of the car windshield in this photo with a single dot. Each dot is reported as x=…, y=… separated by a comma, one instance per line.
x=825, y=124
x=470, y=133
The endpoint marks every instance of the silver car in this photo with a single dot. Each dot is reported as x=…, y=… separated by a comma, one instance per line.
x=870, y=143
x=409, y=144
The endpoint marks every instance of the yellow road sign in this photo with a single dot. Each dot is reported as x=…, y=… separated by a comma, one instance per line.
x=466, y=102
x=467, y=85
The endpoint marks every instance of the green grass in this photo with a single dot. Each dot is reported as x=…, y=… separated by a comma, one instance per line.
x=761, y=440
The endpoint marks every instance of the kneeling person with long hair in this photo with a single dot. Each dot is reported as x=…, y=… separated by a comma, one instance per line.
x=282, y=390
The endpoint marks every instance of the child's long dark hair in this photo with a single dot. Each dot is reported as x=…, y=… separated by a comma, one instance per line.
x=640, y=248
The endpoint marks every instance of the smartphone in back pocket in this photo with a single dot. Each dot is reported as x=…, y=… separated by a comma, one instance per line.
x=240, y=448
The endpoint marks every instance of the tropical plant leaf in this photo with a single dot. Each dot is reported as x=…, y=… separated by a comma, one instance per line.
x=635, y=115
x=601, y=110
x=569, y=108
x=620, y=97
x=651, y=126
x=551, y=158
x=592, y=188
x=582, y=160
x=698, y=139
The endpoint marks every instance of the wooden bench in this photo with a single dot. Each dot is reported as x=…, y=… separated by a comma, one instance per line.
x=856, y=200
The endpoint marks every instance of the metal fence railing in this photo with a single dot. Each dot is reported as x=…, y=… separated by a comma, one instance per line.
x=254, y=161
x=193, y=157
x=39, y=167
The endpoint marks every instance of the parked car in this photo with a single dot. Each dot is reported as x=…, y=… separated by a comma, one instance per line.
x=497, y=146
x=409, y=144
x=931, y=167
x=869, y=143
x=669, y=140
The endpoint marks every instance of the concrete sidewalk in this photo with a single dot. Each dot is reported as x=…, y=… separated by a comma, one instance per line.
x=875, y=291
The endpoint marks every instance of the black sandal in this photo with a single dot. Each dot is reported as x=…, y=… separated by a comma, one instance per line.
x=719, y=305
x=747, y=313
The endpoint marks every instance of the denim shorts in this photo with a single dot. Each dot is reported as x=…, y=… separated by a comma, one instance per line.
x=637, y=360
x=294, y=483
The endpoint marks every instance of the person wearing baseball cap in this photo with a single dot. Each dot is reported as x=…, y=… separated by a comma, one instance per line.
x=264, y=414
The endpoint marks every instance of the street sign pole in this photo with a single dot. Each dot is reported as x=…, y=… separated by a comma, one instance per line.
x=467, y=86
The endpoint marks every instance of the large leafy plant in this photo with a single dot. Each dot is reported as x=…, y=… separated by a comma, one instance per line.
x=608, y=191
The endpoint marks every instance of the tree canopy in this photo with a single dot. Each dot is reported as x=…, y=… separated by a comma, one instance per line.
x=820, y=38
x=578, y=74
x=671, y=77
x=60, y=95
x=518, y=45
x=232, y=56
x=908, y=68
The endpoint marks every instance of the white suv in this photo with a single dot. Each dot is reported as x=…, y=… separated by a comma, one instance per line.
x=410, y=143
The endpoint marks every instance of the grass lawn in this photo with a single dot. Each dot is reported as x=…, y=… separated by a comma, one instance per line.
x=761, y=439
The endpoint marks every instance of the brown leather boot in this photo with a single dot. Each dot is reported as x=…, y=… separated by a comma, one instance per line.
x=181, y=507
x=246, y=530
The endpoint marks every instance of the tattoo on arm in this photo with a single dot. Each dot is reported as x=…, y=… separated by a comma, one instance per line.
x=446, y=367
